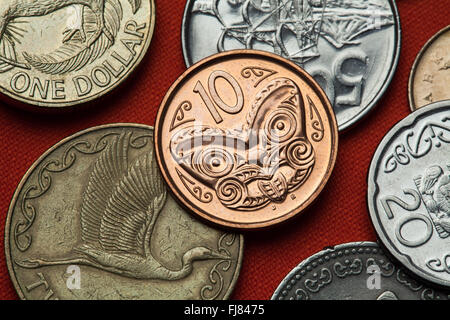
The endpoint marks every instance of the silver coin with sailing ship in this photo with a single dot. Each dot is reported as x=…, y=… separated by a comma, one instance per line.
x=409, y=192
x=93, y=219
x=353, y=271
x=351, y=47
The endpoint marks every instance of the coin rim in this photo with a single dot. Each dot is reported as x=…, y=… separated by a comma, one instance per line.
x=412, y=104
x=302, y=265
x=261, y=55
x=370, y=106
x=8, y=253
x=373, y=189
x=12, y=98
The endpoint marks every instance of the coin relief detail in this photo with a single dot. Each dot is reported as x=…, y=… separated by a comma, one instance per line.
x=88, y=48
x=342, y=273
x=431, y=72
x=332, y=40
x=119, y=226
x=409, y=192
x=226, y=170
x=244, y=136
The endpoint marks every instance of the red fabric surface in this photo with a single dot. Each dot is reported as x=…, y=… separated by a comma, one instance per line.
x=340, y=214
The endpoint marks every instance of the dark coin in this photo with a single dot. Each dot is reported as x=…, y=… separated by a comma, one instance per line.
x=353, y=271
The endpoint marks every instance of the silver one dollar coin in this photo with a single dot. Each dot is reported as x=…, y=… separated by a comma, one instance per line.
x=409, y=192
x=61, y=53
x=350, y=47
x=352, y=271
x=92, y=219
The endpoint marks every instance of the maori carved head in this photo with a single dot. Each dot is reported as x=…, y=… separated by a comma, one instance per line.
x=258, y=164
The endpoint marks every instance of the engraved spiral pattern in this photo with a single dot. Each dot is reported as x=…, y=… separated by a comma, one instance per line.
x=263, y=187
x=323, y=275
x=214, y=162
x=230, y=191
x=300, y=153
x=281, y=126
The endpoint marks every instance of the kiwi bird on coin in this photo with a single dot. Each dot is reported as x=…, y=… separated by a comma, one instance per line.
x=120, y=208
x=106, y=13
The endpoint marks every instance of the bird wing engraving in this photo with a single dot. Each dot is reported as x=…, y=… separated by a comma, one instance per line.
x=7, y=50
x=132, y=210
x=443, y=194
x=135, y=5
x=432, y=175
x=108, y=170
x=120, y=208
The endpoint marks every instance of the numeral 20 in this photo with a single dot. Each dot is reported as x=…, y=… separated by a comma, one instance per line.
x=386, y=204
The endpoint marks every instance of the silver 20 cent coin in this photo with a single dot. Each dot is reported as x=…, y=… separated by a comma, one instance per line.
x=409, y=192
x=352, y=271
x=350, y=47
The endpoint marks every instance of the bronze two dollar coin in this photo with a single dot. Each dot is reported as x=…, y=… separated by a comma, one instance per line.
x=92, y=219
x=61, y=53
x=246, y=139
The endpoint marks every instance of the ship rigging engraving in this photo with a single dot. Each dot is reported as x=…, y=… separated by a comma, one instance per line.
x=292, y=28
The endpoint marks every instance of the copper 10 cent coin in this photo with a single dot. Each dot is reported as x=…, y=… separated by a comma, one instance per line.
x=430, y=73
x=246, y=139
x=61, y=53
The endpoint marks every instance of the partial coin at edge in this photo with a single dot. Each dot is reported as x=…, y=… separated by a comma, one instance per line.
x=72, y=52
x=408, y=192
x=92, y=219
x=430, y=74
x=353, y=271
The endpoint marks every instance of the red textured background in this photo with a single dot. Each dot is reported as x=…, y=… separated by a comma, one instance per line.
x=340, y=214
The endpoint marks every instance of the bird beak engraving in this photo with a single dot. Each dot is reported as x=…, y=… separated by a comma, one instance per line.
x=219, y=256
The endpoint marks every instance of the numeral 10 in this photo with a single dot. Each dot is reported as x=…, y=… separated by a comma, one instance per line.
x=215, y=100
